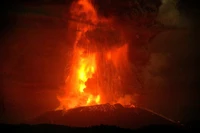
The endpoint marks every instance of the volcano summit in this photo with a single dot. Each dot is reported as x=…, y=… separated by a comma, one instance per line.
x=106, y=114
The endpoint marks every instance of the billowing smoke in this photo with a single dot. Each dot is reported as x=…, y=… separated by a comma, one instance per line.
x=168, y=13
x=171, y=74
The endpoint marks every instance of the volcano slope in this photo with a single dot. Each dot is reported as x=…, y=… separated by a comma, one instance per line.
x=106, y=114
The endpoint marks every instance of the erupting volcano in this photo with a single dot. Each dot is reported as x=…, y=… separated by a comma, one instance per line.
x=97, y=65
x=101, y=81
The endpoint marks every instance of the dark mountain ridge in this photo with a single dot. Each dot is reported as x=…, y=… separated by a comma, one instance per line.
x=106, y=114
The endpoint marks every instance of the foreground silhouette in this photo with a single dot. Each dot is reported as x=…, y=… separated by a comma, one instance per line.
x=60, y=128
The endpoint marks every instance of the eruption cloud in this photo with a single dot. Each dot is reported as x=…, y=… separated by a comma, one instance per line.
x=95, y=73
x=168, y=13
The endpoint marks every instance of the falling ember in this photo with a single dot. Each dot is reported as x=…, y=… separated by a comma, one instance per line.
x=82, y=87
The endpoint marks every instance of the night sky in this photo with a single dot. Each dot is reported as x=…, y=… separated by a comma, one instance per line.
x=33, y=61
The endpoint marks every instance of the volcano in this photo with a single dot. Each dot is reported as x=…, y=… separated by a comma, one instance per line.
x=104, y=114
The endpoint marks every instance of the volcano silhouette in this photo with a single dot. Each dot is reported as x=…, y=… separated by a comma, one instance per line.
x=106, y=114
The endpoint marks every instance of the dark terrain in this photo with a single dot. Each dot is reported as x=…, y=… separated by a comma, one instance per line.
x=105, y=114
x=105, y=117
x=50, y=128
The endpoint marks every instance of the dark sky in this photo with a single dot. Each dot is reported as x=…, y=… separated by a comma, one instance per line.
x=23, y=49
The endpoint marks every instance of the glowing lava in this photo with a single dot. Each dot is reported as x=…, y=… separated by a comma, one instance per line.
x=83, y=63
x=83, y=68
x=86, y=67
x=81, y=87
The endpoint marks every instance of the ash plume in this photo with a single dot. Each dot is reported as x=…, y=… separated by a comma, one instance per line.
x=168, y=13
x=171, y=74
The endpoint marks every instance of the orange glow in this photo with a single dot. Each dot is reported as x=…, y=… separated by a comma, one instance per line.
x=82, y=86
x=83, y=68
x=86, y=68
x=118, y=55
x=108, y=55
x=84, y=7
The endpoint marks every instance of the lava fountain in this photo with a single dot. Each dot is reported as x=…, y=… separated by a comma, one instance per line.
x=90, y=82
